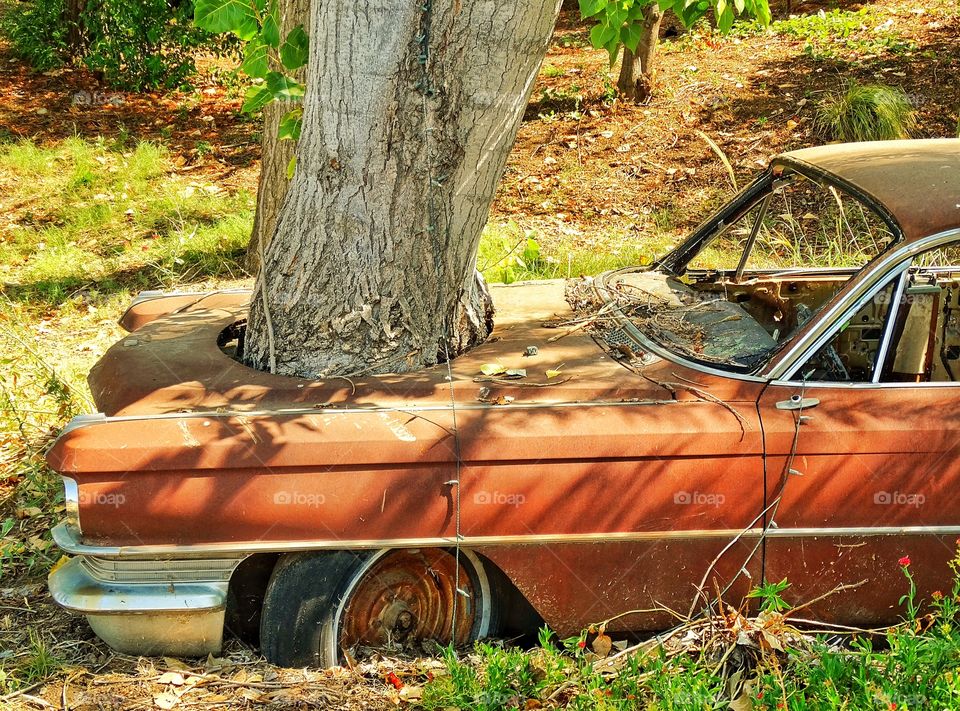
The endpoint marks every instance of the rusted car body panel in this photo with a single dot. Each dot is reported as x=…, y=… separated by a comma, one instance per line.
x=605, y=489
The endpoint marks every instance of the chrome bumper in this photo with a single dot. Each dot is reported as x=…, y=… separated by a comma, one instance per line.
x=145, y=606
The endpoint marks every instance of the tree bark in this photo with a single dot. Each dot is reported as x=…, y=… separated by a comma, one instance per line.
x=637, y=71
x=410, y=113
x=73, y=19
x=275, y=154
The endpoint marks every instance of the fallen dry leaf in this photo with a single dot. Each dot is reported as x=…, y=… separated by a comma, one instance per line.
x=170, y=677
x=166, y=700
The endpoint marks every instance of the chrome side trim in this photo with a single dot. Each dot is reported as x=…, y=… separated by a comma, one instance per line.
x=860, y=386
x=70, y=542
x=78, y=421
x=292, y=411
x=132, y=571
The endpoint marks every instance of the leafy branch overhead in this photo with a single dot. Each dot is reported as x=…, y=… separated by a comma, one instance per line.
x=620, y=22
x=268, y=58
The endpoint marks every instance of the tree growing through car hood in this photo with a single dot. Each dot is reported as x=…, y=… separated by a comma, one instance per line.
x=411, y=112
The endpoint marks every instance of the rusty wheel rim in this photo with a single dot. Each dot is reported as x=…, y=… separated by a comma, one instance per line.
x=406, y=596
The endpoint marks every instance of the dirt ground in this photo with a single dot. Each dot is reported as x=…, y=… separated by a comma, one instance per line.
x=587, y=172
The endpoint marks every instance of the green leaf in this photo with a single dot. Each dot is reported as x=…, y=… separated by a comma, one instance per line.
x=291, y=167
x=290, y=125
x=256, y=61
x=284, y=88
x=601, y=35
x=271, y=30
x=725, y=19
x=256, y=98
x=589, y=8
x=630, y=36
x=295, y=51
x=218, y=16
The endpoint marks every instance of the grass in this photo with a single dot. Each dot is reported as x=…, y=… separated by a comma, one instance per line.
x=508, y=254
x=866, y=112
x=836, y=33
x=94, y=216
x=909, y=666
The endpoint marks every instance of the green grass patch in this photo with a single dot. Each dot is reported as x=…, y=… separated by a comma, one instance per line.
x=710, y=663
x=832, y=34
x=508, y=254
x=87, y=215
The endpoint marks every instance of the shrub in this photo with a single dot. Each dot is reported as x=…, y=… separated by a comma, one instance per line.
x=866, y=112
x=39, y=33
x=132, y=45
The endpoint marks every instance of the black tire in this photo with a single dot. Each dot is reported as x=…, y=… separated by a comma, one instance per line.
x=308, y=593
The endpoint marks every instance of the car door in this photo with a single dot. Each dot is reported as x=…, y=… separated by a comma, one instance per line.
x=864, y=473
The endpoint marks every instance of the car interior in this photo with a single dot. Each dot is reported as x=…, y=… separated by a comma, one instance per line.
x=736, y=311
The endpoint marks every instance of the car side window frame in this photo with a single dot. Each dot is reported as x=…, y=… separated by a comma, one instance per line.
x=899, y=273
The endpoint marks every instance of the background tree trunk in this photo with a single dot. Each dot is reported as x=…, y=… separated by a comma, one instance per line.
x=73, y=19
x=637, y=71
x=372, y=266
x=275, y=154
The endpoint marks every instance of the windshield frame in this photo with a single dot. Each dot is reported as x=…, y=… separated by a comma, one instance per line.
x=676, y=261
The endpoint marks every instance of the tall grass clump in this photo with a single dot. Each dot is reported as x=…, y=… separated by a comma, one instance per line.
x=866, y=112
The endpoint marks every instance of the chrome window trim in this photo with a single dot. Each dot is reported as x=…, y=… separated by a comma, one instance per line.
x=891, y=322
x=69, y=542
x=664, y=353
x=829, y=322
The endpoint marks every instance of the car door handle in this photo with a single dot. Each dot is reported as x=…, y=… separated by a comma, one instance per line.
x=798, y=403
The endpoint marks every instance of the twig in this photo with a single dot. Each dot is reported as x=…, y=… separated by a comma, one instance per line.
x=673, y=387
x=353, y=388
x=20, y=692
x=834, y=591
x=266, y=309
x=520, y=383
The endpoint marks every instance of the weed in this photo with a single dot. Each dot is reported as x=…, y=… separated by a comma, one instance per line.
x=551, y=71
x=769, y=596
x=865, y=112
x=204, y=148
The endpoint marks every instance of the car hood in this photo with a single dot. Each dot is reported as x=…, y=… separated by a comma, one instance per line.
x=174, y=363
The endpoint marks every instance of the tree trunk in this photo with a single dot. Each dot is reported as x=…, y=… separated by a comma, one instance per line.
x=275, y=154
x=73, y=19
x=637, y=72
x=411, y=110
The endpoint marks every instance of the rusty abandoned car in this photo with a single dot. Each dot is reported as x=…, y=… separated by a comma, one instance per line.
x=775, y=398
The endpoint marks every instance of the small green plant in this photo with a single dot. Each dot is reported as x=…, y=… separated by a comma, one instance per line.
x=204, y=148
x=769, y=596
x=550, y=71
x=865, y=112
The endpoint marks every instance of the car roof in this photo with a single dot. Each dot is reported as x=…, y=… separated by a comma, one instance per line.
x=916, y=181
